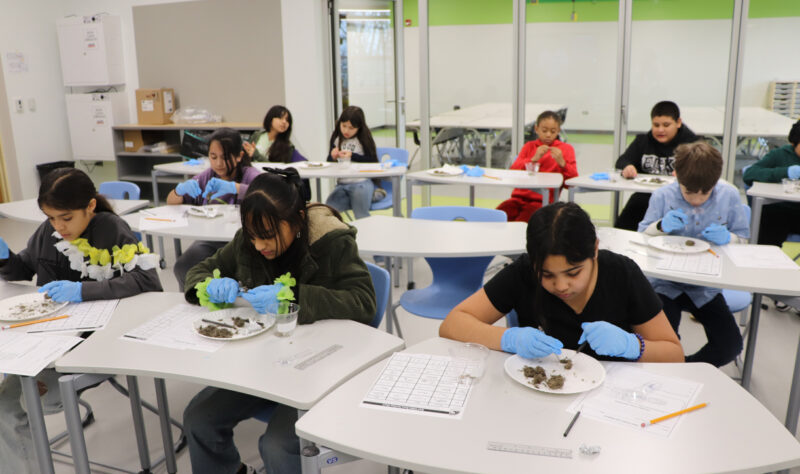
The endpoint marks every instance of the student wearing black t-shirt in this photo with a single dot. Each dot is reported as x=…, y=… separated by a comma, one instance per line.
x=573, y=292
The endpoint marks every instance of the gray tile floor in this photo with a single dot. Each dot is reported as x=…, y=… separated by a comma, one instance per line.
x=110, y=439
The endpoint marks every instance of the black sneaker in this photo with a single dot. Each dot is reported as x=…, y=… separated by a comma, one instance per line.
x=781, y=306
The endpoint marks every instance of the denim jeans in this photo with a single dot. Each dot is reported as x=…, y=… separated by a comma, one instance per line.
x=208, y=422
x=17, y=453
x=355, y=196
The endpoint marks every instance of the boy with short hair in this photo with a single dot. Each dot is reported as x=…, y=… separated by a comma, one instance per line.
x=652, y=153
x=699, y=205
x=783, y=218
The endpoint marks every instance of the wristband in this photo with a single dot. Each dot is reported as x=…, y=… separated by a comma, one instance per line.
x=641, y=346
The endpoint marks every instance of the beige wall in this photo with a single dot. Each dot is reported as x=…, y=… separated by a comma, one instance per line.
x=222, y=55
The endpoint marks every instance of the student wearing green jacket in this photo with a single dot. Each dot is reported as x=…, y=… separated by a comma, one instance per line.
x=280, y=233
x=783, y=218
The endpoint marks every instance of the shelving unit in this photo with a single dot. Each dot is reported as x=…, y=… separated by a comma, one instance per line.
x=784, y=98
x=135, y=166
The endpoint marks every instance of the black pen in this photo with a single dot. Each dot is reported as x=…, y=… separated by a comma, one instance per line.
x=574, y=419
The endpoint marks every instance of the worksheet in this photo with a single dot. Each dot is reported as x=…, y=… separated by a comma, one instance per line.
x=704, y=263
x=422, y=384
x=86, y=316
x=163, y=217
x=759, y=256
x=28, y=354
x=173, y=328
x=631, y=396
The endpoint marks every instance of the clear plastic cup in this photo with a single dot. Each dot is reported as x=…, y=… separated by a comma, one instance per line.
x=344, y=163
x=286, y=321
x=790, y=185
x=474, y=355
x=532, y=168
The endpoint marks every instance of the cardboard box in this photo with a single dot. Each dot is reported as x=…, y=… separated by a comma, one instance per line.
x=135, y=140
x=155, y=106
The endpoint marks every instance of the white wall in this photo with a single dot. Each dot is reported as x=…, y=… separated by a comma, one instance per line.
x=574, y=64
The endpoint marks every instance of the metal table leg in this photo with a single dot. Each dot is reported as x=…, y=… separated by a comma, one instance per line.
x=755, y=218
x=69, y=397
x=747, y=366
x=793, y=409
x=166, y=429
x=33, y=403
x=138, y=422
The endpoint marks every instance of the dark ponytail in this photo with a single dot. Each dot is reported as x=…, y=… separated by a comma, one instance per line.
x=69, y=189
x=562, y=228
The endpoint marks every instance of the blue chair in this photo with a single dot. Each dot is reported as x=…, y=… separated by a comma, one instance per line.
x=385, y=154
x=454, y=279
x=119, y=190
x=380, y=281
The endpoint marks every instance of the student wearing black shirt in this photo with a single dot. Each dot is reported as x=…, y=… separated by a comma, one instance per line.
x=573, y=292
x=652, y=153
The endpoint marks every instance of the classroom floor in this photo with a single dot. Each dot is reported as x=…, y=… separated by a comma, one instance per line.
x=110, y=439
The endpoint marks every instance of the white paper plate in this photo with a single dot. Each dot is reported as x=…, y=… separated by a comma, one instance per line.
x=586, y=372
x=227, y=316
x=37, y=307
x=209, y=211
x=312, y=164
x=446, y=171
x=677, y=244
x=653, y=180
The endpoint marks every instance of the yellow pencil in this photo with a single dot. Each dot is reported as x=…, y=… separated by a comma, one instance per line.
x=369, y=171
x=492, y=177
x=34, y=322
x=713, y=253
x=158, y=219
x=679, y=412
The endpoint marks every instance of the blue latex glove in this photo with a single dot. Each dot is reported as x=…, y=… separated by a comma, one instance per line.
x=190, y=187
x=263, y=297
x=192, y=162
x=674, y=220
x=63, y=290
x=3, y=249
x=609, y=340
x=794, y=172
x=717, y=234
x=219, y=187
x=392, y=163
x=222, y=290
x=529, y=343
x=600, y=176
x=473, y=171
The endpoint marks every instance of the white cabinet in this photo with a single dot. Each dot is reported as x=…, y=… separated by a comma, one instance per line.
x=784, y=98
x=91, y=50
x=91, y=118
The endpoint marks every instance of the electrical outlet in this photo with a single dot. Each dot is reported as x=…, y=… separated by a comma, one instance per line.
x=18, y=105
x=32, y=104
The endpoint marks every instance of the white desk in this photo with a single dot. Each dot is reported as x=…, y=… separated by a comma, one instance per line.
x=400, y=237
x=708, y=121
x=104, y=353
x=759, y=281
x=30, y=391
x=28, y=210
x=540, y=182
x=762, y=194
x=177, y=168
x=491, y=117
x=353, y=170
x=585, y=184
x=734, y=434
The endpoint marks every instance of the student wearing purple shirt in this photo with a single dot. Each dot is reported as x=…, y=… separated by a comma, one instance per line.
x=225, y=181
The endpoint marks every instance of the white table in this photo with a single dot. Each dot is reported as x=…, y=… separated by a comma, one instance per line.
x=28, y=210
x=759, y=281
x=762, y=194
x=177, y=168
x=104, y=353
x=400, y=237
x=491, y=116
x=218, y=229
x=353, y=170
x=30, y=391
x=735, y=433
x=585, y=184
x=493, y=177
x=709, y=121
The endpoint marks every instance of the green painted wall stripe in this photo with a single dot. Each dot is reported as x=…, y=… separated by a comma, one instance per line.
x=492, y=12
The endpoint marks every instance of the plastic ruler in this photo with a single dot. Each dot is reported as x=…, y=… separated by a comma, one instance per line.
x=529, y=449
x=318, y=357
